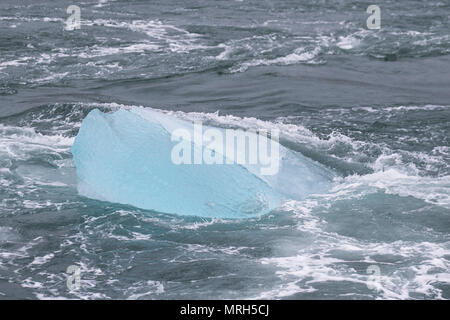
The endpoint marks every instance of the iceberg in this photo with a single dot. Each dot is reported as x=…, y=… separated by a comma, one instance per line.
x=127, y=157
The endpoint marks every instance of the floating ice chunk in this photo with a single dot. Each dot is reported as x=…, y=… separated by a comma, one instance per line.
x=126, y=157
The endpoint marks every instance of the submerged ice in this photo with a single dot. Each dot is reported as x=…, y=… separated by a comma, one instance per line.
x=127, y=157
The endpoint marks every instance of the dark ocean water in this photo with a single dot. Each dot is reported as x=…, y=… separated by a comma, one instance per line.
x=371, y=105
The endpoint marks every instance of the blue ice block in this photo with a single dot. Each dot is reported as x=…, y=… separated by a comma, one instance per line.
x=125, y=157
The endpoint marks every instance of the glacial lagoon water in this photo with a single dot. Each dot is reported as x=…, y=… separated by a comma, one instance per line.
x=372, y=107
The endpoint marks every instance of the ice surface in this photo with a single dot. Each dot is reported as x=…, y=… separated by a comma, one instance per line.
x=125, y=157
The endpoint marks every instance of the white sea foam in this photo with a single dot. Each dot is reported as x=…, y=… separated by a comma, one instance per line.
x=320, y=264
x=348, y=42
x=98, y=51
x=299, y=55
x=174, y=38
x=434, y=190
x=14, y=63
x=43, y=259
x=144, y=289
x=22, y=142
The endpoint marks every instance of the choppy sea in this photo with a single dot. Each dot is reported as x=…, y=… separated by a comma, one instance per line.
x=371, y=105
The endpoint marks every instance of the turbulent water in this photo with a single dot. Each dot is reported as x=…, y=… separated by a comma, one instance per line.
x=373, y=106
